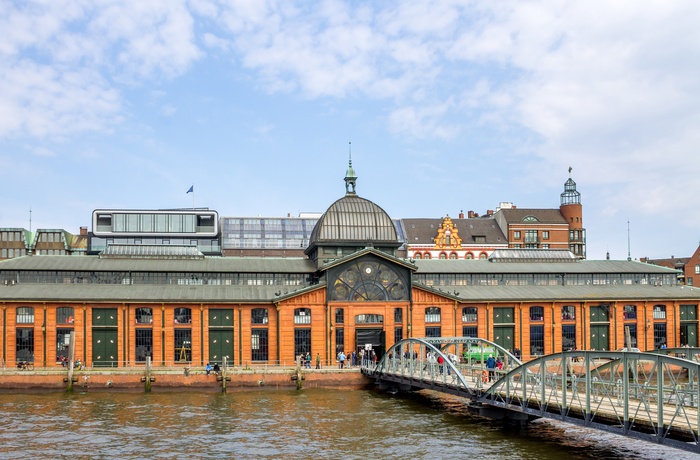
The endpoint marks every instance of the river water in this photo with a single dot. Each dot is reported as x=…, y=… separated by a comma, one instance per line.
x=290, y=424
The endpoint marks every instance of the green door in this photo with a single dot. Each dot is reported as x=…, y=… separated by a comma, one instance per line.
x=104, y=347
x=600, y=339
x=221, y=335
x=221, y=346
x=504, y=316
x=504, y=336
x=689, y=334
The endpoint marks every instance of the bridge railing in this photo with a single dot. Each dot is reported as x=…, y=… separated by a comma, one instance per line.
x=646, y=394
x=458, y=362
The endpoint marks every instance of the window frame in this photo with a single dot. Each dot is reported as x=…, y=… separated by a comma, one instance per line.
x=24, y=315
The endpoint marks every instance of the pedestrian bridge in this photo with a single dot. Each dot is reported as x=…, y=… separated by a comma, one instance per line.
x=651, y=396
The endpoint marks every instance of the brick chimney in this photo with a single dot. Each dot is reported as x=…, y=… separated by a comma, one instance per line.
x=470, y=214
x=461, y=214
x=83, y=231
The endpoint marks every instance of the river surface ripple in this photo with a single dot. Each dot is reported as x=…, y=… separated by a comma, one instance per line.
x=290, y=424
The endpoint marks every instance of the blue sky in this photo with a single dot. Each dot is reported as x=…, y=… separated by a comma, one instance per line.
x=449, y=105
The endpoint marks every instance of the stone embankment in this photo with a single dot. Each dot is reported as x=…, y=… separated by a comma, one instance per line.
x=134, y=379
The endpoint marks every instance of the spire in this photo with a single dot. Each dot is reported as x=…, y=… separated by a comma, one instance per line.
x=350, y=177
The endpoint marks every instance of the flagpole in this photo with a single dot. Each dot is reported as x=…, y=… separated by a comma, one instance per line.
x=192, y=195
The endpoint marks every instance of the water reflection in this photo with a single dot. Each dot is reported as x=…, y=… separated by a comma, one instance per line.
x=273, y=423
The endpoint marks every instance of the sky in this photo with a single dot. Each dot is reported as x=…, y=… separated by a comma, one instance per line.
x=446, y=106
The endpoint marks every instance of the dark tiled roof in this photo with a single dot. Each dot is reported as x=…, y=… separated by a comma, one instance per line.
x=672, y=262
x=545, y=216
x=423, y=231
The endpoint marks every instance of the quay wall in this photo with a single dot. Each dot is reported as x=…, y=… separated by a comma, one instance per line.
x=125, y=379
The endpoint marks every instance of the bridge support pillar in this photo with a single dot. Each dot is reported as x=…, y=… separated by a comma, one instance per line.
x=508, y=417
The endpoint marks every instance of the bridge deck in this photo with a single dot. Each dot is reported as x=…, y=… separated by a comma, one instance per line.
x=649, y=396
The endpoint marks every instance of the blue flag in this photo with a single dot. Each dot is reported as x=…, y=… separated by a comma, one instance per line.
x=190, y=190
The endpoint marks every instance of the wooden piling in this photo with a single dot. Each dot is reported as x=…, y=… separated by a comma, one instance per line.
x=223, y=375
x=147, y=383
x=299, y=376
x=71, y=358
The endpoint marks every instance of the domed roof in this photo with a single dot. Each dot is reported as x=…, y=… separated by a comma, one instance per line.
x=353, y=219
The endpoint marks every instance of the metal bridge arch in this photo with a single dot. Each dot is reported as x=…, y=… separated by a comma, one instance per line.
x=652, y=396
x=413, y=363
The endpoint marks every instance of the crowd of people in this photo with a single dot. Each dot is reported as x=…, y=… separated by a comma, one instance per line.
x=344, y=360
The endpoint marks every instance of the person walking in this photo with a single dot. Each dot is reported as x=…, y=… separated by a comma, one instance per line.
x=491, y=366
x=318, y=361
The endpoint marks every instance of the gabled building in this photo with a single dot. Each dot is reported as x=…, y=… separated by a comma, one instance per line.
x=546, y=228
x=14, y=242
x=18, y=242
x=353, y=290
x=448, y=238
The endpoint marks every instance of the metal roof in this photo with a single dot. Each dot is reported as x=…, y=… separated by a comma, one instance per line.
x=139, y=293
x=354, y=219
x=580, y=266
x=532, y=255
x=363, y=252
x=268, y=294
x=151, y=251
x=302, y=265
x=568, y=293
x=210, y=264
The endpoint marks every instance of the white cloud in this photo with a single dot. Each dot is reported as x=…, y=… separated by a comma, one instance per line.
x=608, y=88
x=59, y=60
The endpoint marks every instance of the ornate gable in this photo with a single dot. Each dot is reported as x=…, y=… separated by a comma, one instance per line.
x=448, y=235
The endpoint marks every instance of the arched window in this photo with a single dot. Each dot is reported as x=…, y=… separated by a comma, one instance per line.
x=453, y=255
x=536, y=313
x=258, y=316
x=469, y=255
x=432, y=315
x=418, y=255
x=426, y=255
x=629, y=312
x=25, y=315
x=64, y=315
x=367, y=280
x=568, y=313
x=183, y=316
x=144, y=315
x=483, y=256
x=443, y=255
x=469, y=315
x=659, y=311
x=302, y=316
